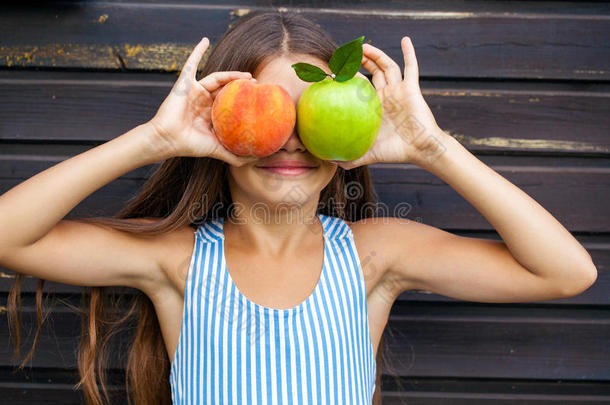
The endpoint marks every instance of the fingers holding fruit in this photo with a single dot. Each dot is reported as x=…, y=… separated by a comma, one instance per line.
x=385, y=71
x=221, y=153
x=220, y=115
x=383, y=68
x=214, y=83
x=187, y=76
x=351, y=122
x=183, y=121
x=211, y=85
x=411, y=70
x=408, y=123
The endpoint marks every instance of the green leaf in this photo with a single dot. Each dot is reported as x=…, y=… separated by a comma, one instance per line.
x=346, y=60
x=309, y=73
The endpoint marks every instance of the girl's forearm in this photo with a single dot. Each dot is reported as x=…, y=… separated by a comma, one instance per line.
x=29, y=210
x=534, y=237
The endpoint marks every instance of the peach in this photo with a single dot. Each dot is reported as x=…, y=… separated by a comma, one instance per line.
x=253, y=119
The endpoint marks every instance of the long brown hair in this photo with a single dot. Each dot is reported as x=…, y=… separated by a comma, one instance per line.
x=181, y=191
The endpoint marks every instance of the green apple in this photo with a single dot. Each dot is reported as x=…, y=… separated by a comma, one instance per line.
x=339, y=115
x=339, y=120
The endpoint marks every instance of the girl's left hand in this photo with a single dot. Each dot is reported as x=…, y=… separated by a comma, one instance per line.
x=408, y=133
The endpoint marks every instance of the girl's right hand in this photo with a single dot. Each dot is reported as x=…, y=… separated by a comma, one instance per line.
x=183, y=122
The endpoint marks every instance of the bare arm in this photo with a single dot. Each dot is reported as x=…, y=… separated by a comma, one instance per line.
x=537, y=259
x=35, y=240
x=530, y=234
x=29, y=210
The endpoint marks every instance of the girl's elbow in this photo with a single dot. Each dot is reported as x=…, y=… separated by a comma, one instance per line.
x=587, y=277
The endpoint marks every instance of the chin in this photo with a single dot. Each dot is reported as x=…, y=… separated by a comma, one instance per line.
x=285, y=192
x=279, y=189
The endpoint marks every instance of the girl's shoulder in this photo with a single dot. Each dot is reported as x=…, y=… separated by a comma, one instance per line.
x=368, y=236
x=374, y=233
x=174, y=250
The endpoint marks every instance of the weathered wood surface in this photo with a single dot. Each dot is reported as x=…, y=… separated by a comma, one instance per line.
x=504, y=39
x=523, y=85
x=100, y=106
x=507, y=341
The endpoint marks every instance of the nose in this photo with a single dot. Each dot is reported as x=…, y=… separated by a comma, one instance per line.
x=293, y=143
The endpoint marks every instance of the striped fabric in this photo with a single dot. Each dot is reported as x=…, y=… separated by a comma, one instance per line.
x=234, y=351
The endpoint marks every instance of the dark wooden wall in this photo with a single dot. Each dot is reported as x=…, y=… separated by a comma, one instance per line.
x=523, y=85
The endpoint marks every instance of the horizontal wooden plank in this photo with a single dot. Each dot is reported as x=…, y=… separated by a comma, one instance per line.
x=27, y=394
x=52, y=386
x=523, y=119
x=105, y=201
x=48, y=152
x=597, y=294
x=481, y=391
x=38, y=386
x=449, y=43
x=597, y=245
x=20, y=161
x=91, y=107
x=559, y=7
x=485, y=117
x=498, y=341
x=427, y=340
x=30, y=284
x=571, y=194
x=64, y=376
x=523, y=46
x=58, y=344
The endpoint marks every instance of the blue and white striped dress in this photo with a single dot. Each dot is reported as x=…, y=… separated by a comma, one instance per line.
x=234, y=351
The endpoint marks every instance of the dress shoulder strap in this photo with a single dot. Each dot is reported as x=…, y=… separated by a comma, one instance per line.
x=336, y=228
x=211, y=230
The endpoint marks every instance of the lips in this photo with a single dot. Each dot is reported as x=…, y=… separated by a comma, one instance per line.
x=287, y=167
x=287, y=164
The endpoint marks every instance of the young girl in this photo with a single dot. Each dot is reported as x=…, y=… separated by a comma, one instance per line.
x=262, y=280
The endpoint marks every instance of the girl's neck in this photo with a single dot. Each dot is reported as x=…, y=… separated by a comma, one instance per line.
x=273, y=234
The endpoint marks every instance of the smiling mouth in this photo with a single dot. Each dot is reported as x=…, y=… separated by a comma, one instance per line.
x=287, y=170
